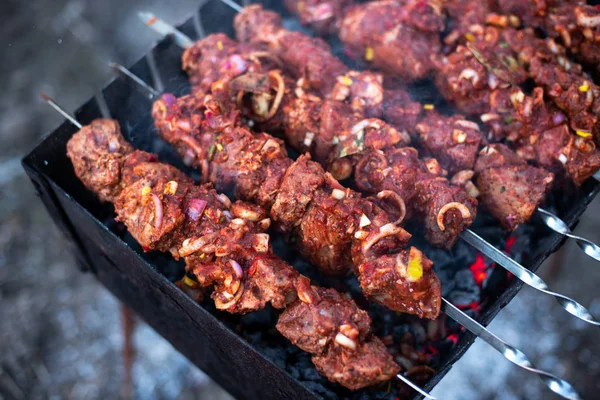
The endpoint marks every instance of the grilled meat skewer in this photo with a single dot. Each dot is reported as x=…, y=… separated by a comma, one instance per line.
x=225, y=247
x=334, y=227
x=579, y=165
x=310, y=124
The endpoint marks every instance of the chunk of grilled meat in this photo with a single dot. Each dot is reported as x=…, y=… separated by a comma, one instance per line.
x=445, y=210
x=323, y=16
x=303, y=56
x=396, y=37
x=454, y=141
x=510, y=188
x=224, y=247
x=538, y=131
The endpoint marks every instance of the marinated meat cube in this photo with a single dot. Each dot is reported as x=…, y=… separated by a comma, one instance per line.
x=331, y=318
x=453, y=141
x=322, y=15
x=366, y=366
x=510, y=189
x=396, y=38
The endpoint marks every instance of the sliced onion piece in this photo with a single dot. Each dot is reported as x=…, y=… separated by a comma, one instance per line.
x=158, y=212
x=224, y=306
x=384, y=231
x=464, y=211
x=345, y=341
x=399, y=202
x=196, y=209
x=261, y=243
x=239, y=272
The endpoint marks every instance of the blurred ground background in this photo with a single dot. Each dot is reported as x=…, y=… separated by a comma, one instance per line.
x=60, y=332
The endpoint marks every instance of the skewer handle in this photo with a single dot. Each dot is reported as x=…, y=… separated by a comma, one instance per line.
x=526, y=276
x=160, y=26
x=233, y=5
x=512, y=354
x=152, y=93
x=60, y=110
x=559, y=226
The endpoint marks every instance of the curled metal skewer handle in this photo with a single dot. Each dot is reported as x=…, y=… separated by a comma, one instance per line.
x=526, y=276
x=512, y=354
x=559, y=226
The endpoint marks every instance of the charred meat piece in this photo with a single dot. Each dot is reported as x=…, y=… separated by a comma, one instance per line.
x=573, y=93
x=363, y=90
x=464, y=17
x=510, y=189
x=453, y=141
x=399, y=110
x=165, y=211
x=323, y=16
x=417, y=291
x=398, y=38
x=539, y=132
x=368, y=364
x=533, y=13
x=331, y=319
x=304, y=57
x=217, y=57
x=224, y=247
x=468, y=75
x=99, y=166
x=578, y=29
x=303, y=200
x=444, y=209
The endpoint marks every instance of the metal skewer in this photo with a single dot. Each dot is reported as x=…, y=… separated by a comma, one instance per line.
x=512, y=354
x=522, y=273
x=60, y=110
x=526, y=276
x=557, y=385
x=559, y=226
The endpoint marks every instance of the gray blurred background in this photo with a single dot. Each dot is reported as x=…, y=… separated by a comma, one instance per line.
x=60, y=332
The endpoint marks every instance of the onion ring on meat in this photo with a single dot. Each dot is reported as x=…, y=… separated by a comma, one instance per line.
x=383, y=232
x=276, y=74
x=192, y=143
x=399, y=201
x=224, y=306
x=464, y=211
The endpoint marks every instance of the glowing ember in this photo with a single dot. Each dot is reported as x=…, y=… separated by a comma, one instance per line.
x=453, y=337
x=479, y=269
x=475, y=306
x=510, y=242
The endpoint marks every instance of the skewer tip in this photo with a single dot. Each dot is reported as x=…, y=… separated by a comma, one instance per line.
x=233, y=5
x=415, y=387
x=44, y=97
x=147, y=17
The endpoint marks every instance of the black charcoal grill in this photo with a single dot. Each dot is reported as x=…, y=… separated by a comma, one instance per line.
x=245, y=355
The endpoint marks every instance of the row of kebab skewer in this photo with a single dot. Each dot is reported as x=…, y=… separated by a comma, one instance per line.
x=355, y=125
